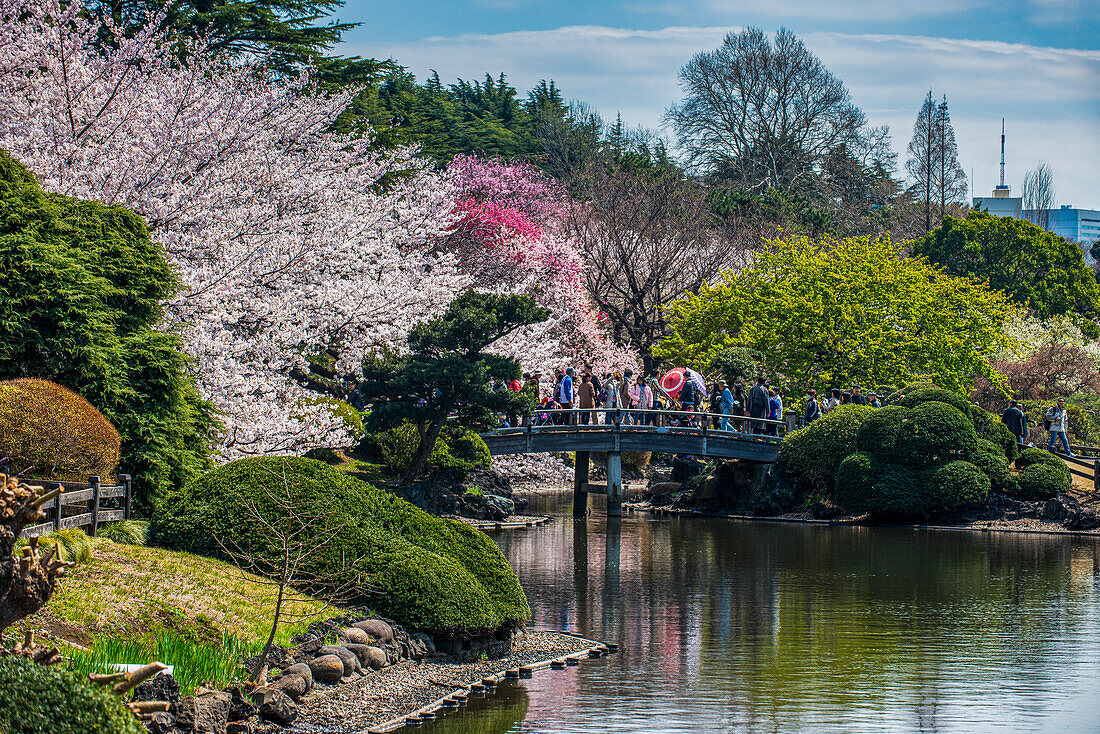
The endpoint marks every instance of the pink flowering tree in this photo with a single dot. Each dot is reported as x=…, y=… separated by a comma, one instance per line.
x=283, y=240
x=507, y=234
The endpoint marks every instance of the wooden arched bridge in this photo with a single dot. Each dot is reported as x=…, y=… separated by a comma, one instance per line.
x=693, y=434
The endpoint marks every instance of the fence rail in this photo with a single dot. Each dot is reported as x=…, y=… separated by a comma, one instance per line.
x=85, y=505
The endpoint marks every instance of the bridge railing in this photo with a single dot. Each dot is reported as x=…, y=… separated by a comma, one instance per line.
x=577, y=419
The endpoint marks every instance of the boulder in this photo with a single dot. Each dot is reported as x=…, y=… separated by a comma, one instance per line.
x=351, y=663
x=1087, y=519
x=327, y=668
x=356, y=636
x=370, y=657
x=162, y=722
x=162, y=687
x=425, y=640
x=240, y=708
x=499, y=507
x=376, y=628
x=207, y=713
x=666, y=488
x=292, y=685
x=302, y=670
x=417, y=650
x=274, y=706
x=240, y=727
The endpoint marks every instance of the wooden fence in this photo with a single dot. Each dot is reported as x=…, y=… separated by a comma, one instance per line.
x=1085, y=465
x=85, y=505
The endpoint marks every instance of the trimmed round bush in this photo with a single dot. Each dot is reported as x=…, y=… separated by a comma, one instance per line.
x=990, y=428
x=814, y=453
x=49, y=432
x=954, y=486
x=35, y=699
x=880, y=431
x=464, y=451
x=426, y=572
x=922, y=392
x=897, y=493
x=1041, y=482
x=1032, y=456
x=856, y=478
x=934, y=432
x=990, y=458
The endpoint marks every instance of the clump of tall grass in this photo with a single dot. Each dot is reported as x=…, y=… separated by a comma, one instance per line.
x=213, y=664
x=72, y=545
x=126, y=532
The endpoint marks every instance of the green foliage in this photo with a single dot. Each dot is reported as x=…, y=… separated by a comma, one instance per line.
x=458, y=450
x=73, y=545
x=126, y=532
x=1034, y=267
x=1041, y=482
x=209, y=664
x=954, y=486
x=1033, y=456
x=897, y=493
x=933, y=432
x=738, y=364
x=813, y=454
x=35, y=699
x=80, y=302
x=991, y=459
x=881, y=430
x=856, y=478
x=426, y=572
x=49, y=432
x=446, y=374
x=844, y=312
x=990, y=428
x=922, y=392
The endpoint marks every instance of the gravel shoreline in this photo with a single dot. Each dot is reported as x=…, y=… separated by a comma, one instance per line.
x=400, y=690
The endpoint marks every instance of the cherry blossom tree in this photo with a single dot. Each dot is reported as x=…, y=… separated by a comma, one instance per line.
x=284, y=238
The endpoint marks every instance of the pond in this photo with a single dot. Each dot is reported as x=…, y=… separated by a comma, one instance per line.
x=727, y=625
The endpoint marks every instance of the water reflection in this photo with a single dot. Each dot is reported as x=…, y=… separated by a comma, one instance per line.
x=736, y=626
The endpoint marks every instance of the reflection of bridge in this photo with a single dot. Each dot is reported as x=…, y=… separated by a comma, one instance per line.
x=665, y=432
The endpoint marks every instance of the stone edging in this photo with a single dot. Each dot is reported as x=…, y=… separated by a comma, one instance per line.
x=450, y=702
x=858, y=522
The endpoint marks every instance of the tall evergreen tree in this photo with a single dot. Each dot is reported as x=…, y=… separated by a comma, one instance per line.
x=921, y=164
x=950, y=179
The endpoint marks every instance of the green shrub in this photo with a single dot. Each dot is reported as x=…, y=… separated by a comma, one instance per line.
x=880, y=431
x=922, y=392
x=897, y=493
x=990, y=458
x=49, y=432
x=36, y=699
x=814, y=453
x=1032, y=456
x=934, y=432
x=989, y=427
x=855, y=480
x=464, y=451
x=457, y=451
x=126, y=532
x=424, y=571
x=954, y=486
x=82, y=294
x=1041, y=482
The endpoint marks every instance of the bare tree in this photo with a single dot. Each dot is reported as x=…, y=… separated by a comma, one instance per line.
x=646, y=231
x=950, y=179
x=762, y=114
x=1038, y=194
x=288, y=535
x=921, y=164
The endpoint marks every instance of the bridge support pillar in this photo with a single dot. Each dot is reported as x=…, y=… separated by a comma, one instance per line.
x=580, y=484
x=614, y=484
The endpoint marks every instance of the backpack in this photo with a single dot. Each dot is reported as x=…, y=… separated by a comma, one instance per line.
x=1046, y=418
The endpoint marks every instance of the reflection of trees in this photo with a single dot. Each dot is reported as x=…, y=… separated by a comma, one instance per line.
x=494, y=714
x=782, y=625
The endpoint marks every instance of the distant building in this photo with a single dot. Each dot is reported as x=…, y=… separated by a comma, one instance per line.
x=1076, y=225
x=1001, y=204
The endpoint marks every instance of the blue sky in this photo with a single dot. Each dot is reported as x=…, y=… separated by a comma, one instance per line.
x=1034, y=62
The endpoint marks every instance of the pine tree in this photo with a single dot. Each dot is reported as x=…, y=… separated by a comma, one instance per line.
x=922, y=157
x=950, y=179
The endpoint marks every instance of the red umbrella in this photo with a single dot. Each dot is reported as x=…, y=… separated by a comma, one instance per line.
x=673, y=381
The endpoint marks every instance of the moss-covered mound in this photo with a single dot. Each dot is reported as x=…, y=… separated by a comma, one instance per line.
x=426, y=572
x=927, y=452
x=48, y=700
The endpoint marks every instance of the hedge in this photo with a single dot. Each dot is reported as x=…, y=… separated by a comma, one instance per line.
x=954, y=486
x=881, y=430
x=897, y=493
x=990, y=428
x=934, y=432
x=426, y=572
x=855, y=480
x=990, y=458
x=922, y=392
x=35, y=699
x=49, y=432
x=1042, y=475
x=814, y=453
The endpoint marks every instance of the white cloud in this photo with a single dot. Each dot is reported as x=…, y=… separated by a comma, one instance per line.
x=858, y=10
x=1050, y=97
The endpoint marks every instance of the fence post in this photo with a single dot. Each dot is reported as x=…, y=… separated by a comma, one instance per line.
x=1096, y=475
x=94, y=481
x=56, y=504
x=126, y=493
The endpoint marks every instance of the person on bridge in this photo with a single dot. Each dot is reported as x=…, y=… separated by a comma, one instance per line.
x=758, y=404
x=611, y=397
x=624, y=399
x=1058, y=421
x=641, y=398
x=725, y=403
x=813, y=408
x=775, y=411
x=857, y=398
x=689, y=393
x=1016, y=421
x=586, y=398
x=566, y=393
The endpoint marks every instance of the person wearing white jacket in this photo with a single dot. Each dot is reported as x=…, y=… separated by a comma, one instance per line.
x=1059, y=423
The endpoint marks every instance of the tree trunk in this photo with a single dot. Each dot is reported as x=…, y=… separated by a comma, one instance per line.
x=427, y=445
x=260, y=676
